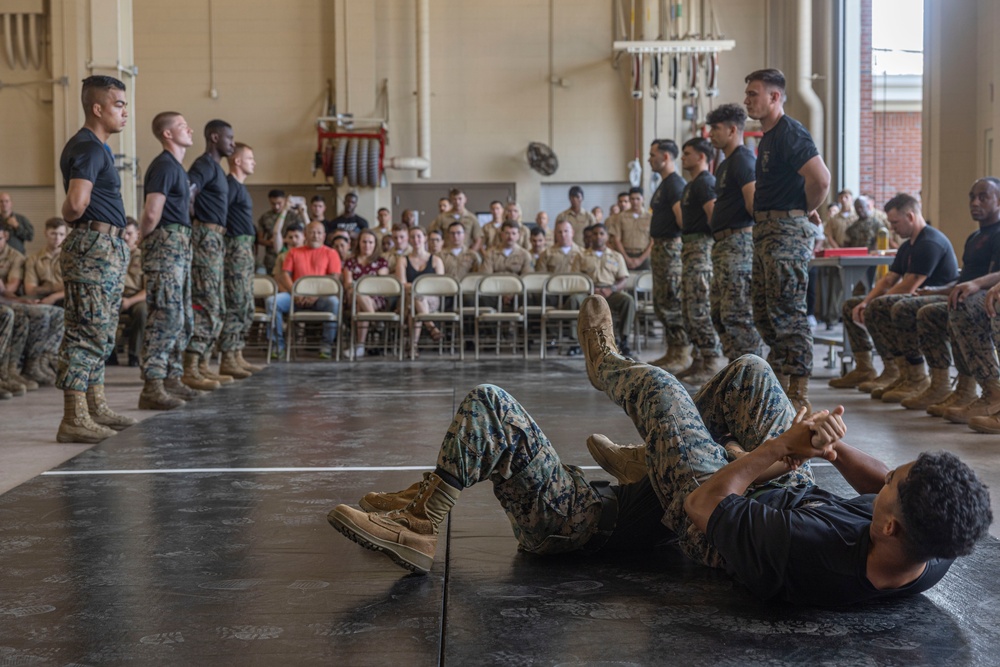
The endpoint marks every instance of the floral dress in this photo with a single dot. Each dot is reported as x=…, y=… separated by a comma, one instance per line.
x=359, y=270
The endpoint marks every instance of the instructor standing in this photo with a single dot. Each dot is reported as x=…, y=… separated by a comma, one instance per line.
x=93, y=262
x=792, y=181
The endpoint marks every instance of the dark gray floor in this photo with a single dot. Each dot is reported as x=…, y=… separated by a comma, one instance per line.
x=224, y=565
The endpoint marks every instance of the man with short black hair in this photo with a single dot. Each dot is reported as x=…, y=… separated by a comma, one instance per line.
x=665, y=256
x=577, y=216
x=459, y=261
x=271, y=227
x=93, y=263
x=732, y=228
x=348, y=221
x=697, y=206
x=629, y=232
x=20, y=228
x=210, y=191
x=792, y=182
x=457, y=213
x=510, y=257
x=42, y=274
x=133, y=298
x=608, y=270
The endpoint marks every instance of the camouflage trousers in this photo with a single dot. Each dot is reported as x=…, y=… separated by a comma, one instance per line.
x=166, y=265
x=891, y=322
x=936, y=343
x=696, y=283
x=93, y=267
x=37, y=331
x=732, y=309
x=974, y=333
x=207, y=291
x=551, y=506
x=782, y=250
x=6, y=336
x=665, y=260
x=239, y=272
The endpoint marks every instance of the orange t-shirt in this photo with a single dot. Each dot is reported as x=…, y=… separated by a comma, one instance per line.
x=306, y=261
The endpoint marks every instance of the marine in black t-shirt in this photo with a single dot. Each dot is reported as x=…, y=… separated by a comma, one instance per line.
x=697, y=193
x=931, y=255
x=981, y=254
x=87, y=158
x=166, y=176
x=352, y=224
x=239, y=215
x=663, y=224
x=733, y=174
x=212, y=197
x=783, y=150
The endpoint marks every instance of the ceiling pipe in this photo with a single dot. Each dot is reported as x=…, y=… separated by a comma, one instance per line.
x=34, y=49
x=423, y=85
x=8, y=40
x=804, y=64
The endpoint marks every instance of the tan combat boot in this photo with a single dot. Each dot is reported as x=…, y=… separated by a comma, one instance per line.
x=175, y=387
x=387, y=501
x=696, y=366
x=246, y=365
x=710, y=365
x=915, y=381
x=626, y=463
x=798, y=392
x=207, y=373
x=192, y=374
x=102, y=413
x=9, y=385
x=76, y=424
x=988, y=424
x=678, y=359
x=939, y=390
x=901, y=376
x=963, y=394
x=596, y=335
x=37, y=371
x=407, y=536
x=13, y=375
x=984, y=406
x=231, y=367
x=661, y=361
x=863, y=372
x=155, y=397
x=888, y=375
x=782, y=381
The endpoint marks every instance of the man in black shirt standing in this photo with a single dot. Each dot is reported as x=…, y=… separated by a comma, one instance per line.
x=697, y=204
x=239, y=268
x=348, y=221
x=94, y=259
x=792, y=181
x=211, y=203
x=732, y=228
x=165, y=232
x=665, y=257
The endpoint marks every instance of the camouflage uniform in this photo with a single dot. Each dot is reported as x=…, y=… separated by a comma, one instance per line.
x=696, y=281
x=551, y=506
x=665, y=260
x=936, y=344
x=166, y=265
x=732, y=311
x=781, y=254
x=6, y=336
x=891, y=320
x=239, y=292
x=93, y=269
x=974, y=333
x=207, y=293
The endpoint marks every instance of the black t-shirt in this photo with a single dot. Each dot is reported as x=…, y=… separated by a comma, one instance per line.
x=697, y=193
x=88, y=158
x=804, y=545
x=166, y=176
x=981, y=254
x=663, y=224
x=730, y=208
x=212, y=198
x=239, y=216
x=931, y=255
x=781, y=153
x=352, y=224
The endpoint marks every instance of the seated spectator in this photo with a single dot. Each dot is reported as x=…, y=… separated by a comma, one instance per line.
x=349, y=221
x=459, y=261
x=509, y=257
x=271, y=226
x=42, y=274
x=386, y=244
x=512, y=212
x=598, y=214
x=559, y=258
x=418, y=263
x=341, y=242
x=400, y=245
x=537, y=240
x=408, y=218
x=312, y=259
x=367, y=261
x=19, y=228
x=863, y=232
x=384, y=229
x=839, y=219
x=435, y=242
x=542, y=222
x=607, y=268
x=133, y=299
x=491, y=230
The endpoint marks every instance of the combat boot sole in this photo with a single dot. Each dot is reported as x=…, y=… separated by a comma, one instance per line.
x=159, y=402
x=361, y=528
x=83, y=434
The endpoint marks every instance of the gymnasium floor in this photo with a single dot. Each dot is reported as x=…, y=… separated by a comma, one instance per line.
x=199, y=537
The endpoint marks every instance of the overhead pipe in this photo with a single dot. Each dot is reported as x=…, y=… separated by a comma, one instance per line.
x=34, y=50
x=22, y=55
x=8, y=40
x=804, y=63
x=423, y=85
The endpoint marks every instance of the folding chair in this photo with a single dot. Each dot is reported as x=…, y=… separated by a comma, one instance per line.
x=644, y=310
x=264, y=287
x=499, y=286
x=534, y=283
x=314, y=286
x=565, y=286
x=444, y=287
x=386, y=287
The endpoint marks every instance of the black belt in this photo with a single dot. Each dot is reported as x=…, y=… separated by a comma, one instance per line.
x=726, y=233
x=608, y=520
x=763, y=216
x=102, y=227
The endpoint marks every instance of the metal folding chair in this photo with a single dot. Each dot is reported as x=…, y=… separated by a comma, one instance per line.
x=446, y=288
x=499, y=286
x=314, y=286
x=387, y=287
x=564, y=286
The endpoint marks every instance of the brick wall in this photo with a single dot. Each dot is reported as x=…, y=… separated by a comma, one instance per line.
x=867, y=117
